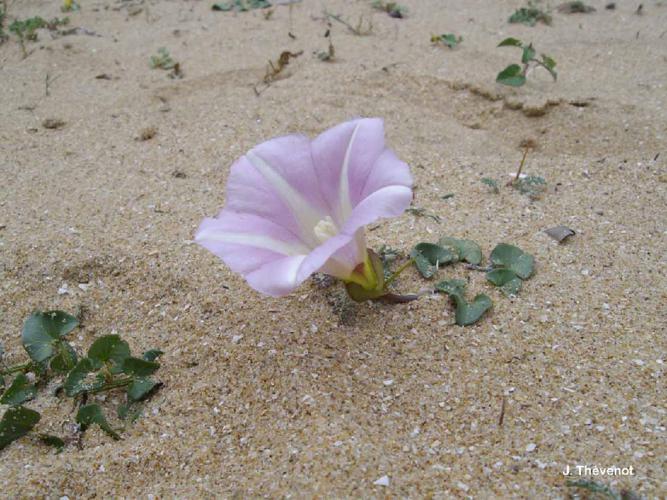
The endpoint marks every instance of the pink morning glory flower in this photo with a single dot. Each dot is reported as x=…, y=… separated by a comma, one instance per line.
x=295, y=207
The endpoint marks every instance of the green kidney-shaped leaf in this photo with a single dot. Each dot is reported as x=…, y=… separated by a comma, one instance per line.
x=16, y=422
x=466, y=250
x=513, y=258
x=92, y=414
x=139, y=367
x=528, y=54
x=42, y=330
x=141, y=388
x=506, y=279
x=452, y=287
x=152, y=354
x=20, y=391
x=512, y=75
x=77, y=380
x=130, y=411
x=51, y=440
x=110, y=348
x=428, y=257
x=468, y=313
x=65, y=358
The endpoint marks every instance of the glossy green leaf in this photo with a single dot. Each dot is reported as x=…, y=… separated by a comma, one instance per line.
x=54, y=441
x=130, y=411
x=513, y=258
x=16, y=422
x=141, y=388
x=152, y=354
x=512, y=75
x=528, y=54
x=529, y=16
x=452, y=287
x=506, y=279
x=42, y=330
x=468, y=313
x=78, y=381
x=548, y=62
x=450, y=40
x=92, y=414
x=19, y=391
x=241, y=5
x=139, y=367
x=65, y=358
x=511, y=42
x=109, y=348
x=466, y=250
x=428, y=257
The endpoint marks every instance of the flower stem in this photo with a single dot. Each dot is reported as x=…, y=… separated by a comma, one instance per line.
x=397, y=272
x=518, y=172
x=16, y=368
x=114, y=384
x=475, y=267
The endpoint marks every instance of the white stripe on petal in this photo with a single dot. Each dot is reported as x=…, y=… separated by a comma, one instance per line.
x=253, y=240
x=306, y=215
x=345, y=203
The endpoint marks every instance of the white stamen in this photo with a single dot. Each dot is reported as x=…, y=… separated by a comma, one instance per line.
x=325, y=229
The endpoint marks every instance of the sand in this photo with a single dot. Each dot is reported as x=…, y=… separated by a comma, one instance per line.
x=292, y=396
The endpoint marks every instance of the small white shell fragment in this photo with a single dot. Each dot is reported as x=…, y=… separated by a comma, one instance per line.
x=531, y=447
x=383, y=481
x=560, y=233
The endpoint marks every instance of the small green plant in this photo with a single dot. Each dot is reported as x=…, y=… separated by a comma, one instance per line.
x=448, y=39
x=162, y=60
x=394, y=9
x=70, y=6
x=531, y=185
x=514, y=75
x=600, y=491
x=330, y=54
x=107, y=366
x=241, y=5
x=575, y=7
x=27, y=28
x=530, y=15
x=361, y=29
x=492, y=183
x=509, y=267
x=3, y=14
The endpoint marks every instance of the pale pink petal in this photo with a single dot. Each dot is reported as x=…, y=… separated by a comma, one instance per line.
x=390, y=201
x=246, y=241
x=278, y=277
x=343, y=156
x=387, y=170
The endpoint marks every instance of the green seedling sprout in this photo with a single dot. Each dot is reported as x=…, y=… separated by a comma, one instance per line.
x=448, y=39
x=514, y=75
